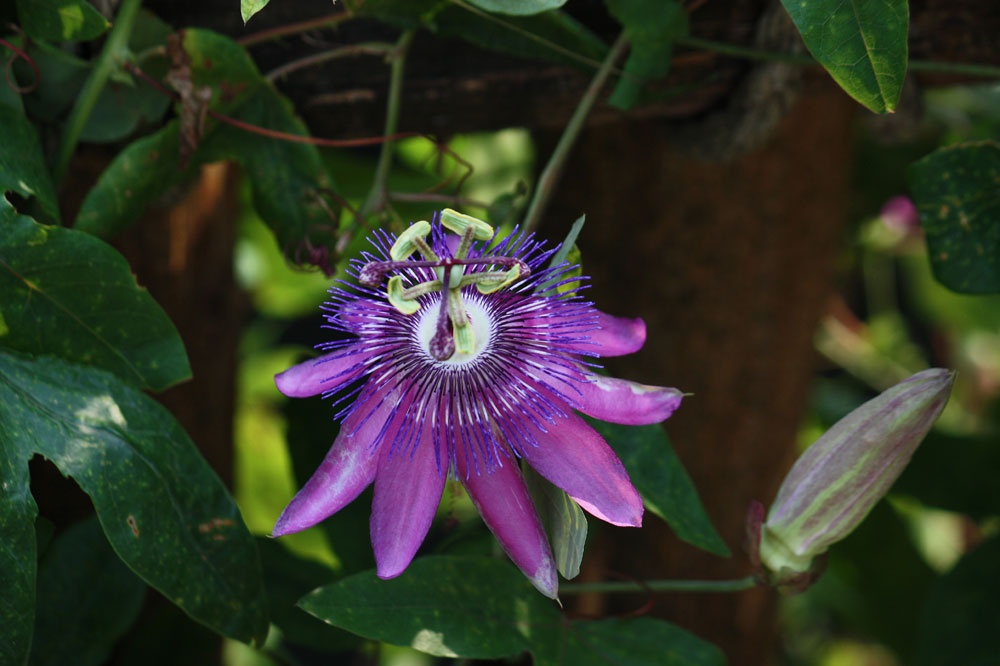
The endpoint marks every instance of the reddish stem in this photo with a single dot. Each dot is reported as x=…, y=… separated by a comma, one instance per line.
x=18, y=53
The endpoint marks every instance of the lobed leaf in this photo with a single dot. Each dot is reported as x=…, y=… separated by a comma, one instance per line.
x=661, y=479
x=67, y=293
x=161, y=506
x=861, y=43
x=956, y=193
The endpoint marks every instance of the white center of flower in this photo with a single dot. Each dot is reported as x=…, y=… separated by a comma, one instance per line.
x=482, y=328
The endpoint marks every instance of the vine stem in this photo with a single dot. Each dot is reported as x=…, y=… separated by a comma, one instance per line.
x=398, y=57
x=550, y=175
x=111, y=54
x=271, y=34
x=367, y=48
x=736, y=585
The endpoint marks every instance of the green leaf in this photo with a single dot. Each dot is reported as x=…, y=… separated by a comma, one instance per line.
x=961, y=620
x=641, y=641
x=67, y=293
x=18, y=554
x=484, y=608
x=61, y=20
x=861, y=43
x=446, y=606
x=651, y=27
x=106, y=599
x=250, y=7
x=957, y=195
x=22, y=164
x=288, y=179
x=662, y=481
x=161, y=506
x=518, y=7
x=564, y=520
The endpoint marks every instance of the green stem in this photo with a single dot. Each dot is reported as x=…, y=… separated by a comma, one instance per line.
x=109, y=58
x=750, y=53
x=550, y=175
x=737, y=585
x=398, y=57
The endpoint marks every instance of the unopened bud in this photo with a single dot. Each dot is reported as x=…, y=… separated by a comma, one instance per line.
x=839, y=478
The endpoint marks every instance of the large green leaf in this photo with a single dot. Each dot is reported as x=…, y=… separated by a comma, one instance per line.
x=18, y=553
x=861, y=43
x=651, y=27
x=448, y=606
x=287, y=178
x=484, y=608
x=163, y=509
x=961, y=621
x=67, y=293
x=956, y=193
x=640, y=641
x=518, y=7
x=22, y=164
x=61, y=20
x=661, y=479
x=87, y=599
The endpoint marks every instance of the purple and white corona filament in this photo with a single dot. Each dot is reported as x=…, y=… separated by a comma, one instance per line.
x=466, y=354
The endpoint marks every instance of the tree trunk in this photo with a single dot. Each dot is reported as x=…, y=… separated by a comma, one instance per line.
x=730, y=264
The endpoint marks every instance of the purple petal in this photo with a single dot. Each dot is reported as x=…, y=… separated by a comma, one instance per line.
x=619, y=400
x=506, y=507
x=408, y=487
x=618, y=335
x=602, y=334
x=324, y=373
x=573, y=456
x=348, y=468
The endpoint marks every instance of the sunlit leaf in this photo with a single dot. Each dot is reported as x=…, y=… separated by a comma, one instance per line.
x=484, y=608
x=67, y=293
x=61, y=20
x=518, y=7
x=861, y=43
x=961, y=622
x=446, y=606
x=651, y=27
x=250, y=7
x=956, y=193
x=22, y=164
x=641, y=641
x=161, y=506
x=661, y=479
x=106, y=599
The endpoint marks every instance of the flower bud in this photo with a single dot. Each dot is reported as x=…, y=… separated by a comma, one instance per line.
x=839, y=478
